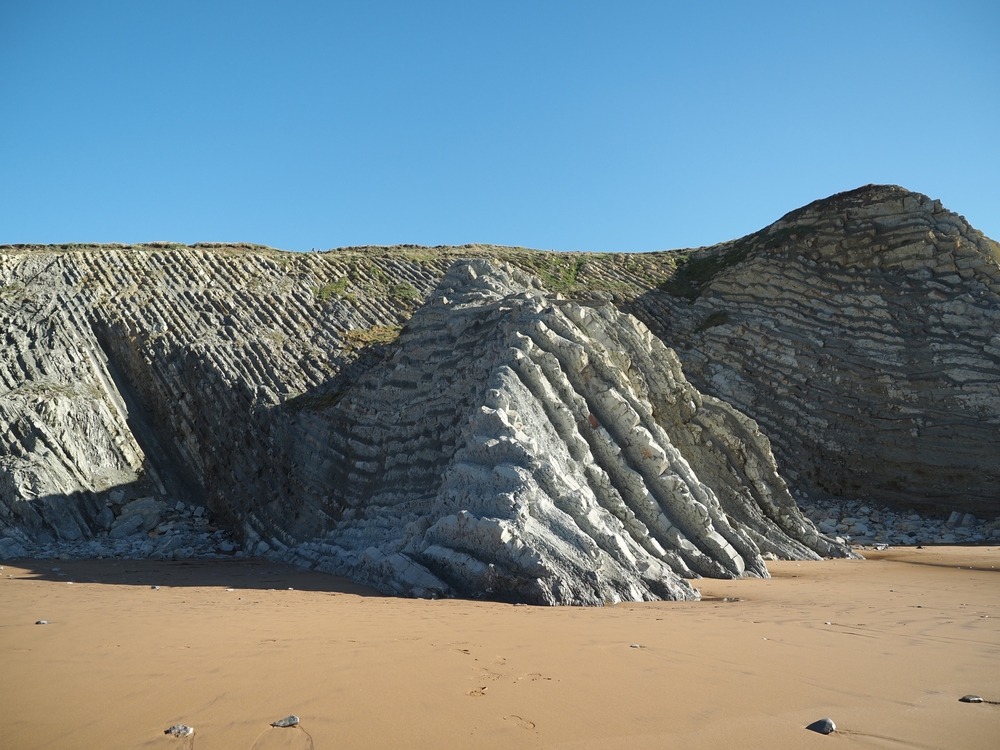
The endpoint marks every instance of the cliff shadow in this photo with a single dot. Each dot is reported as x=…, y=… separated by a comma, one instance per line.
x=238, y=574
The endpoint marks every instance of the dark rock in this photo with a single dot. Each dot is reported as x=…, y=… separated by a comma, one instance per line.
x=823, y=726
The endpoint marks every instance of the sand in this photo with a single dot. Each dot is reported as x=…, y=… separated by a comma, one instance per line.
x=885, y=647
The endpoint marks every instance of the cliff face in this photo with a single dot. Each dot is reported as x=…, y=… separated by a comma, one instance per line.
x=544, y=451
x=860, y=332
x=863, y=333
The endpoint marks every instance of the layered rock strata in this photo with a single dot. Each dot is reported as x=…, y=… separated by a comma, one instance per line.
x=539, y=450
x=417, y=475
x=161, y=371
x=860, y=332
x=863, y=334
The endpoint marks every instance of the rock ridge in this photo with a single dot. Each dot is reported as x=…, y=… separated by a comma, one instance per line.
x=539, y=450
x=860, y=332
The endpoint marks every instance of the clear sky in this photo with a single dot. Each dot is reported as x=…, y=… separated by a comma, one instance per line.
x=617, y=126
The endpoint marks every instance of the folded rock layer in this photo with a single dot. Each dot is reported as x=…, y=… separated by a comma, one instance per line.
x=863, y=333
x=535, y=449
x=860, y=333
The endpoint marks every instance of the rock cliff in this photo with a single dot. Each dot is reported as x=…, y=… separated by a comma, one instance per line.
x=860, y=333
x=863, y=333
x=543, y=451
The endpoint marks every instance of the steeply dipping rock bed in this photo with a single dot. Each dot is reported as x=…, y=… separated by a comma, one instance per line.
x=860, y=332
x=540, y=450
x=863, y=333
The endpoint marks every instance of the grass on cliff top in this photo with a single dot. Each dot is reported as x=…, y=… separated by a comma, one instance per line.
x=693, y=274
x=557, y=273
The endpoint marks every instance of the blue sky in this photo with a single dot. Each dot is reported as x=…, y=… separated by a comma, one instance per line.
x=624, y=126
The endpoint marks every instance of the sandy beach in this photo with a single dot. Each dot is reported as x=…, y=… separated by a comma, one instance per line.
x=884, y=646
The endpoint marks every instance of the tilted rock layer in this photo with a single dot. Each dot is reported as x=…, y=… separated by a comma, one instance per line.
x=860, y=332
x=544, y=451
x=863, y=334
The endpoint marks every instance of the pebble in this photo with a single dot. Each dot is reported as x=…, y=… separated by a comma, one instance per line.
x=46, y=622
x=179, y=730
x=823, y=726
x=289, y=721
x=867, y=524
x=155, y=588
x=635, y=645
x=971, y=699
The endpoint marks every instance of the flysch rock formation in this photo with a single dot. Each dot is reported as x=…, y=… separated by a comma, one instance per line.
x=168, y=400
x=863, y=333
x=539, y=450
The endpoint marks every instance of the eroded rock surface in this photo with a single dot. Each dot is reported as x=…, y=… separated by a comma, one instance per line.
x=863, y=333
x=539, y=450
x=859, y=332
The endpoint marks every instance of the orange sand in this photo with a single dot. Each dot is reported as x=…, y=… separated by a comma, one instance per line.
x=910, y=632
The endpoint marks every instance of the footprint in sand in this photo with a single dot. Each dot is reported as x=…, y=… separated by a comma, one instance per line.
x=533, y=677
x=523, y=723
x=283, y=738
x=486, y=674
x=479, y=692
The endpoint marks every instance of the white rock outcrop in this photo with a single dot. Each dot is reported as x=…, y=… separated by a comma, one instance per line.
x=523, y=447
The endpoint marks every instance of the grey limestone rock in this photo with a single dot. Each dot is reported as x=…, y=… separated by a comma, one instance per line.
x=11, y=550
x=523, y=447
x=859, y=333
x=862, y=332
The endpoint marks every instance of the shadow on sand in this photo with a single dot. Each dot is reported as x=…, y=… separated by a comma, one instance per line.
x=240, y=574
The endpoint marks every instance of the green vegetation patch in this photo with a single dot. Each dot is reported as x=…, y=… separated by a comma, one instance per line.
x=12, y=291
x=338, y=288
x=404, y=292
x=694, y=274
x=374, y=335
x=556, y=271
